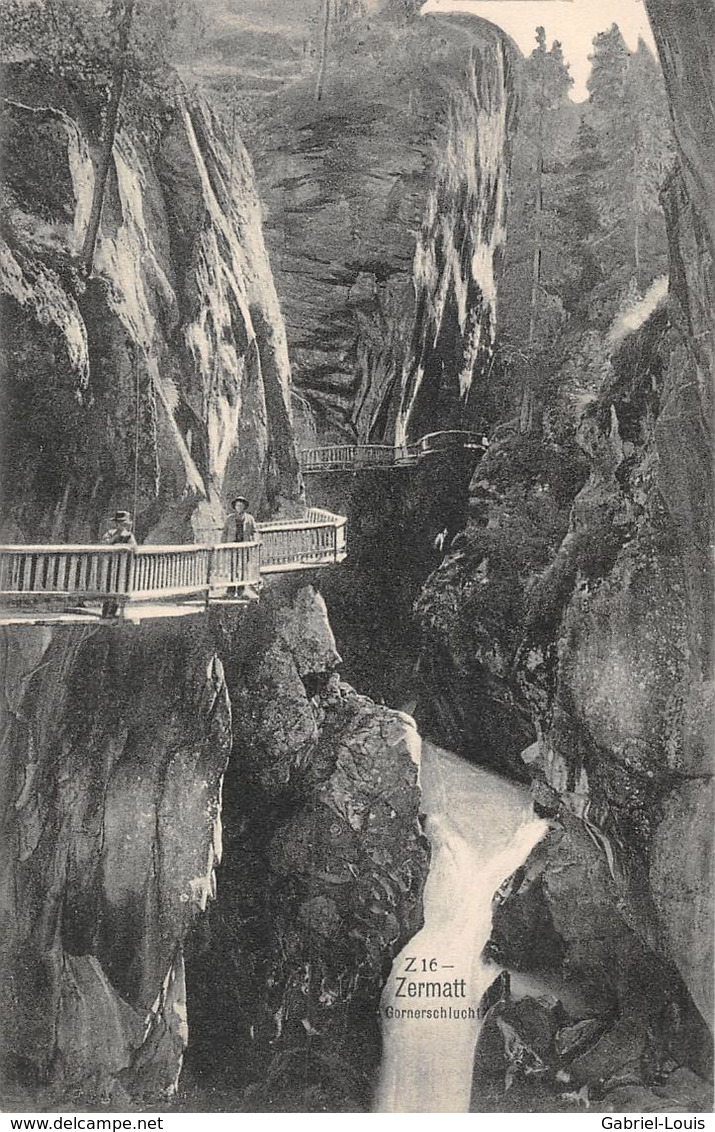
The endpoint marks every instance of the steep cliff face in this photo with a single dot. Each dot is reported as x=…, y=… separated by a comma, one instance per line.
x=684, y=436
x=323, y=877
x=167, y=367
x=559, y=634
x=385, y=203
x=115, y=745
x=576, y=610
x=385, y=206
x=166, y=372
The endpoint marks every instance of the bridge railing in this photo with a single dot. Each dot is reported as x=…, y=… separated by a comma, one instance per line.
x=83, y=571
x=144, y=572
x=329, y=455
x=444, y=441
x=375, y=455
x=235, y=564
x=150, y=572
x=332, y=457
x=178, y=570
x=293, y=544
x=347, y=455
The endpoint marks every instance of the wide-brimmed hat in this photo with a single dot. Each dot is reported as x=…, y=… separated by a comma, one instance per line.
x=239, y=499
x=122, y=517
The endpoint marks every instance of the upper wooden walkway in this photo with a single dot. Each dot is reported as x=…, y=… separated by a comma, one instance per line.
x=364, y=457
x=146, y=576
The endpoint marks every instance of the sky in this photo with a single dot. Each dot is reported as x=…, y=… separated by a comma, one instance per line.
x=574, y=22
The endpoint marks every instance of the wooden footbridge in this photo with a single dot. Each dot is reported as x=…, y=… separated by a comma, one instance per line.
x=366, y=457
x=49, y=584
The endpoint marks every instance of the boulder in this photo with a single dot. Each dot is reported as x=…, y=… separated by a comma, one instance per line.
x=683, y=1091
x=571, y=1040
x=683, y=1087
x=618, y=1057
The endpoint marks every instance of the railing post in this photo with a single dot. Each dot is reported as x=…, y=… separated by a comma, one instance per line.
x=210, y=557
x=124, y=579
x=132, y=570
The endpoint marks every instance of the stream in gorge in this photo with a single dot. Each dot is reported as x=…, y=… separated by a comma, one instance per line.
x=481, y=828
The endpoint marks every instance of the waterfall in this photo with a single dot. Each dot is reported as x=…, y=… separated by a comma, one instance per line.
x=481, y=829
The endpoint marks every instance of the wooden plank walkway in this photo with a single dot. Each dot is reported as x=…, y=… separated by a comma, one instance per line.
x=54, y=584
x=368, y=457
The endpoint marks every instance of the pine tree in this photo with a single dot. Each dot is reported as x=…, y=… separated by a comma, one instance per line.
x=628, y=113
x=123, y=14
x=585, y=226
x=530, y=309
x=403, y=9
x=582, y=220
x=337, y=20
x=550, y=84
x=324, y=42
x=609, y=64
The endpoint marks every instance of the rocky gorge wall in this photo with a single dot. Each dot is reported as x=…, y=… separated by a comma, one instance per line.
x=168, y=366
x=128, y=751
x=115, y=743
x=135, y=759
x=323, y=880
x=385, y=206
x=569, y=628
x=561, y=634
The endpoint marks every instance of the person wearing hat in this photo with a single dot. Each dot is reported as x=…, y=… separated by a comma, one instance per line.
x=120, y=534
x=240, y=527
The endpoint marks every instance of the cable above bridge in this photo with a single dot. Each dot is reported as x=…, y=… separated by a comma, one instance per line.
x=363, y=457
x=136, y=576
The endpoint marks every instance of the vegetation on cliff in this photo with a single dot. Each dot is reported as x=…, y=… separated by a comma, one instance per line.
x=568, y=608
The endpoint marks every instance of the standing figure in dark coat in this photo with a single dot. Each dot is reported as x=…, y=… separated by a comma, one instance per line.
x=241, y=527
x=120, y=534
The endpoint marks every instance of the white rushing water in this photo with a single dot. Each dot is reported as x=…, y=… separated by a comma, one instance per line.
x=481, y=828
